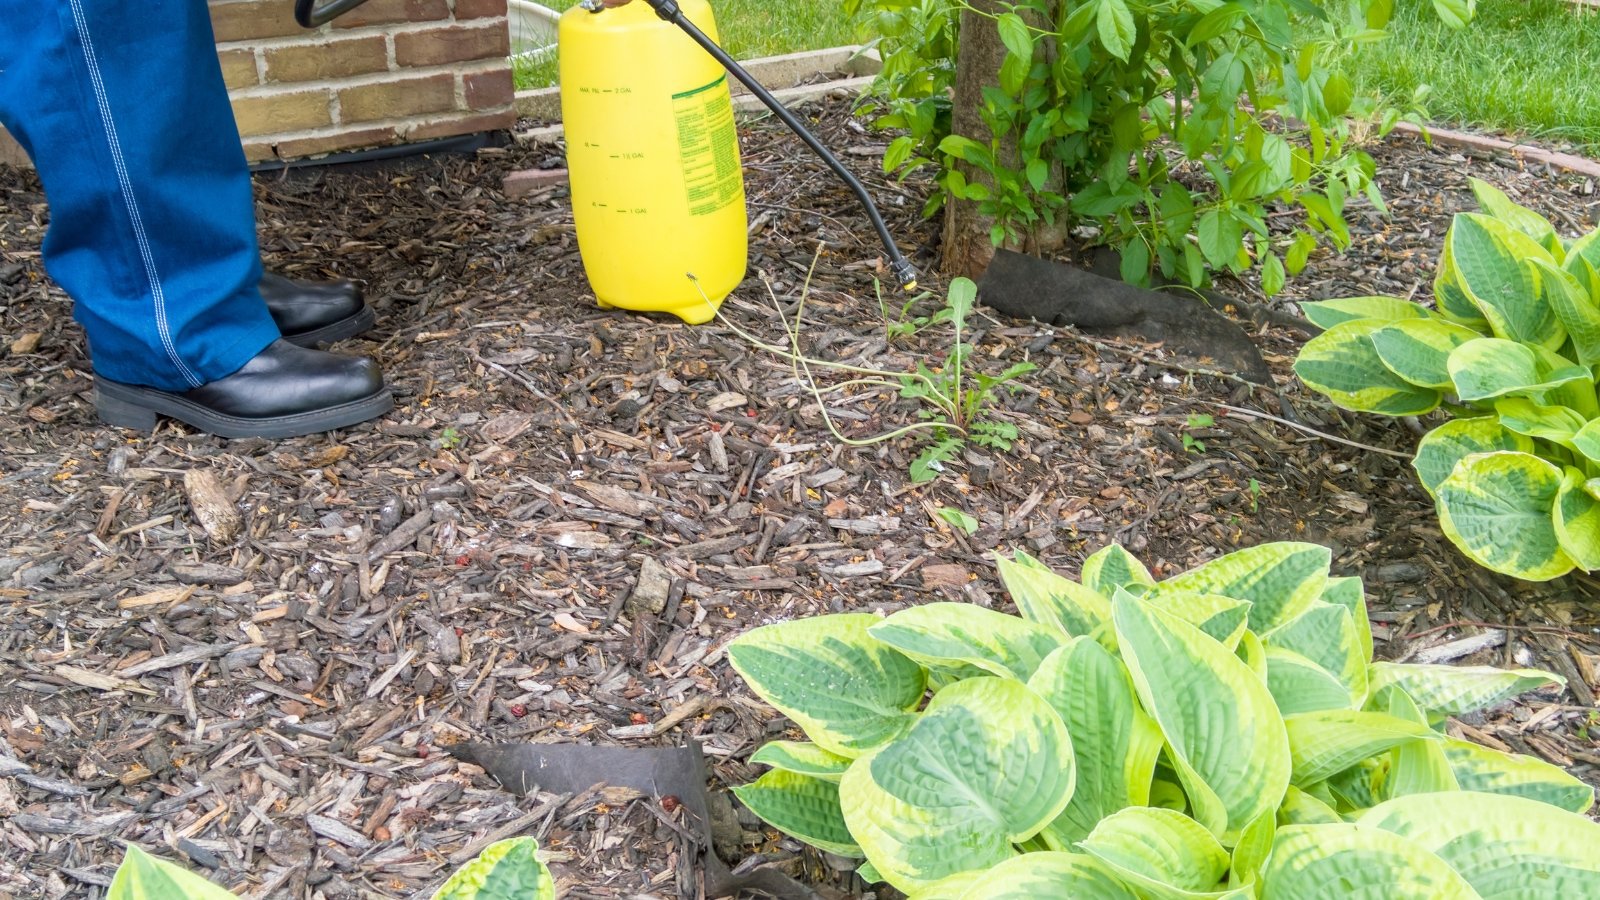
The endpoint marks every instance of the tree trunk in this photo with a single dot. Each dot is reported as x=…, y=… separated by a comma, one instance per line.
x=968, y=247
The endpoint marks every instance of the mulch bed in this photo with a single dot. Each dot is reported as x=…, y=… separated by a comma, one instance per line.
x=278, y=705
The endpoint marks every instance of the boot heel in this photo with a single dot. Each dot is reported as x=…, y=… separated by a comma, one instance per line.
x=123, y=414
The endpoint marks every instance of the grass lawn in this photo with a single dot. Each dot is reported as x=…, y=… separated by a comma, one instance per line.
x=749, y=28
x=1523, y=66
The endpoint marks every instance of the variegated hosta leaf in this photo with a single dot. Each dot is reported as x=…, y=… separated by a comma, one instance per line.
x=987, y=765
x=1223, y=730
x=1112, y=567
x=1418, y=350
x=1327, y=635
x=1492, y=265
x=1495, y=203
x=1507, y=848
x=1556, y=424
x=1281, y=580
x=1223, y=618
x=1587, y=440
x=1450, y=443
x=801, y=758
x=1114, y=743
x=1251, y=853
x=1327, y=314
x=1303, y=808
x=1453, y=690
x=1574, y=306
x=1577, y=520
x=1349, y=593
x=1330, y=741
x=850, y=692
x=1299, y=685
x=869, y=873
x=947, y=634
x=956, y=886
x=1343, y=363
x=1346, y=862
x=1034, y=876
x=1354, y=790
x=1484, y=769
x=144, y=877
x=1586, y=248
x=803, y=807
x=1252, y=653
x=1498, y=509
x=1415, y=767
x=1451, y=300
x=1165, y=855
x=1167, y=793
x=1487, y=368
x=505, y=870
x=1048, y=599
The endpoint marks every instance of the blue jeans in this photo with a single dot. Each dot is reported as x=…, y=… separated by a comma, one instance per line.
x=121, y=105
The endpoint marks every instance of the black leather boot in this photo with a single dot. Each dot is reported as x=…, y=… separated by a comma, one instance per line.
x=285, y=391
x=309, y=313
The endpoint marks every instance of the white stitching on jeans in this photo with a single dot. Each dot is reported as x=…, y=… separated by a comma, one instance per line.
x=162, y=328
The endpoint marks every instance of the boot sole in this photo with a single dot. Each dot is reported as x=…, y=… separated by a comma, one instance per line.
x=347, y=327
x=130, y=406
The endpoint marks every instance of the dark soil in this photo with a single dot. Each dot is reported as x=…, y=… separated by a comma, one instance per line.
x=277, y=705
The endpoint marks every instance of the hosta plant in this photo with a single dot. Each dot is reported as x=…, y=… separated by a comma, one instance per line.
x=506, y=870
x=1510, y=352
x=1223, y=733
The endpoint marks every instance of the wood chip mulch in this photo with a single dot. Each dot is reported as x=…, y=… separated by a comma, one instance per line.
x=256, y=654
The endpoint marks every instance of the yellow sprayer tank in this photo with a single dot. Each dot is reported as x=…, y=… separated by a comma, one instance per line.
x=657, y=186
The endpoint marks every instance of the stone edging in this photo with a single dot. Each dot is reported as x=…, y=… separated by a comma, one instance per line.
x=1565, y=162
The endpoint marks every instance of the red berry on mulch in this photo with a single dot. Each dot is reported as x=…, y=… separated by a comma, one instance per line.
x=423, y=751
x=518, y=710
x=463, y=559
x=639, y=719
x=670, y=802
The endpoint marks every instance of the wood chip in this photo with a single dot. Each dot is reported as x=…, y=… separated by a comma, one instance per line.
x=100, y=682
x=180, y=658
x=337, y=831
x=208, y=499
x=171, y=596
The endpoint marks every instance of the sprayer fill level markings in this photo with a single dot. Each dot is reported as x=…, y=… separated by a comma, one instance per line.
x=708, y=145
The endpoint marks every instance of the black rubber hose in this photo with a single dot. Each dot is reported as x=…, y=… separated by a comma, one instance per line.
x=904, y=274
x=310, y=15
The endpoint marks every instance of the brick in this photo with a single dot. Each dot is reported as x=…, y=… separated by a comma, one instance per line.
x=275, y=113
x=398, y=99
x=358, y=139
x=479, y=9
x=457, y=125
x=487, y=90
x=328, y=59
x=526, y=181
x=389, y=12
x=251, y=19
x=439, y=46
x=238, y=68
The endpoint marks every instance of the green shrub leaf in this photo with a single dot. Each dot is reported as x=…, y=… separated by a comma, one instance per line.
x=1497, y=508
x=1490, y=771
x=988, y=765
x=505, y=870
x=802, y=807
x=1340, y=861
x=144, y=877
x=802, y=759
x=1343, y=363
x=1330, y=741
x=955, y=634
x=1048, y=599
x=1281, y=580
x=1115, y=24
x=1112, y=567
x=1328, y=314
x=1418, y=350
x=850, y=692
x=1162, y=853
x=1454, y=690
x=1223, y=731
x=1507, y=848
x=1442, y=448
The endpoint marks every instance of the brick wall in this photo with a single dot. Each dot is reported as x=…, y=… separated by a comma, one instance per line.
x=390, y=71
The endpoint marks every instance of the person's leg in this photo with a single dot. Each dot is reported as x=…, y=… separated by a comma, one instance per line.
x=123, y=109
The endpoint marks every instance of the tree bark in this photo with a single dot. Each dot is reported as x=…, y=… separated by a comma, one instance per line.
x=968, y=247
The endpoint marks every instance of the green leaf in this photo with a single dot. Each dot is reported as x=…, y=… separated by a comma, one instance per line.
x=803, y=807
x=143, y=877
x=1221, y=236
x=1415, y=767
x=957, y=519
x=1337, y=94
x=1042, y=596
x=1112, y=567
x=1223, y=731
x=1453, y=690
x=1329, y=741
x=1299, y=685
x=1300, y=253
x=850, y=693
x=1114, y=743
x=1251, y=853
x=1486, y=368
x=1281, y=580
x=1556, y=424
x=954, y=634
x=1482, y=769
x=1340, y=862
x=1322, y=210
x=1117, y=32
x=1158, y=850
x=505, y=870
x=802, y=759
x=1348, y=593
x=1343, y=363
x=1494, y=202
x=1327, y=634
x=1214, y=24
x=1330, y=313
x=1497, y=509
x=1507, y=848
x=1449, y=297
x=1016, y=37
x=1454, y=13
x=1442, y=448
x=1418, y=350
x=1587, y=440
x=1491, y=263
x=1135, y=268
x=1302, y=808
x=988, y=765
x=1222, y=618
x=1577, y=520
x=1573, y=293
x=1035, y=875
x=1272, y=274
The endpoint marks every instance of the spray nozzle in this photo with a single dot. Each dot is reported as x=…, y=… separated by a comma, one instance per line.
x=904, y=274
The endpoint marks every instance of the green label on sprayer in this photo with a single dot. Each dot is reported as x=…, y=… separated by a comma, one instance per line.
x=708, y=146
